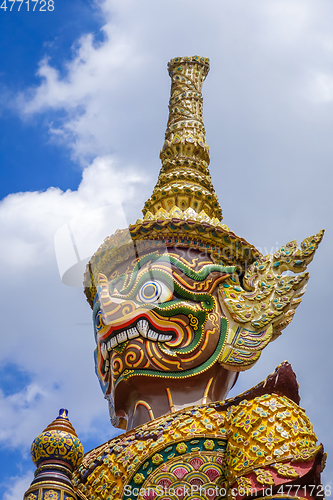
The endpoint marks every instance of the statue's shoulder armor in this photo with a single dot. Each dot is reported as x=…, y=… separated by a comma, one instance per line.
x=220, y=443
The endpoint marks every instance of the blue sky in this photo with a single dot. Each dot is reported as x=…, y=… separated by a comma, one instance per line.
x=26, y=38
x=83, y=107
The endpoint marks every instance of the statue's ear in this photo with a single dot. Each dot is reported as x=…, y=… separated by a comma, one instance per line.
x=264, y=302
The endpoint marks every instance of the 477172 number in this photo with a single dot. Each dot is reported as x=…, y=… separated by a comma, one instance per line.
x=29, y=5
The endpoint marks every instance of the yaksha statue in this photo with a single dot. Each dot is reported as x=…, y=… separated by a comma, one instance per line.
x=180, y=306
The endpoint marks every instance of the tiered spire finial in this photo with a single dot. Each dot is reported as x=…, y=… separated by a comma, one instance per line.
x=55, y=452
x=184, y=183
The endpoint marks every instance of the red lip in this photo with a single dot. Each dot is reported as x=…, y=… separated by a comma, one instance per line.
x=156, y=324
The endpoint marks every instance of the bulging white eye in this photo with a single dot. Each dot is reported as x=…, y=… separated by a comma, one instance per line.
x=154, y=292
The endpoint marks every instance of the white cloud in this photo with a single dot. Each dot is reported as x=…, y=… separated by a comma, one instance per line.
x=18, y=486
x=29, y=220
x=16, y=413
x=92, y=93
x=323, y=88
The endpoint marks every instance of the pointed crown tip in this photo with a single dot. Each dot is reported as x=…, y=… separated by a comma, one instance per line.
x=188, y=59
x=63, y=413
x=184, y=181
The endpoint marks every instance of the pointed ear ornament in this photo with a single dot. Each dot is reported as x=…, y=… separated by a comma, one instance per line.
x=264, y=303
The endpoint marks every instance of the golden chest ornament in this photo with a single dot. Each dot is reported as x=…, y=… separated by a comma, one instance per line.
x=204, y=450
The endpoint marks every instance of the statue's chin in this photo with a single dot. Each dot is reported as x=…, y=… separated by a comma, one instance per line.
x=143, y=398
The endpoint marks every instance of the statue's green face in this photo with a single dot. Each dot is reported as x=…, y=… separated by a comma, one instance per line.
x=159, y=316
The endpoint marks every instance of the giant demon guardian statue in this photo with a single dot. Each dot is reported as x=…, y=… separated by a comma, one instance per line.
x=180, y=306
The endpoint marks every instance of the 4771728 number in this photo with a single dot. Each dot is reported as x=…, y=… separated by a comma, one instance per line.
x=29, y=5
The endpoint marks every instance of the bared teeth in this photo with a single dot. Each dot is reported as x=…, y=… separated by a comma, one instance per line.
x=164, y=338
x=104, y=351
x=132, y=333
x=113, y=342
x=143, y=327
x=121, y=337
x=152, y=335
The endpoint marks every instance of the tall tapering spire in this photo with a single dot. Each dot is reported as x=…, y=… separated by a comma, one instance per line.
x=184, y=182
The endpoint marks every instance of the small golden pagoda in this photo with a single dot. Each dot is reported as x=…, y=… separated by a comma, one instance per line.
x=180, y=306
x=55, y=452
